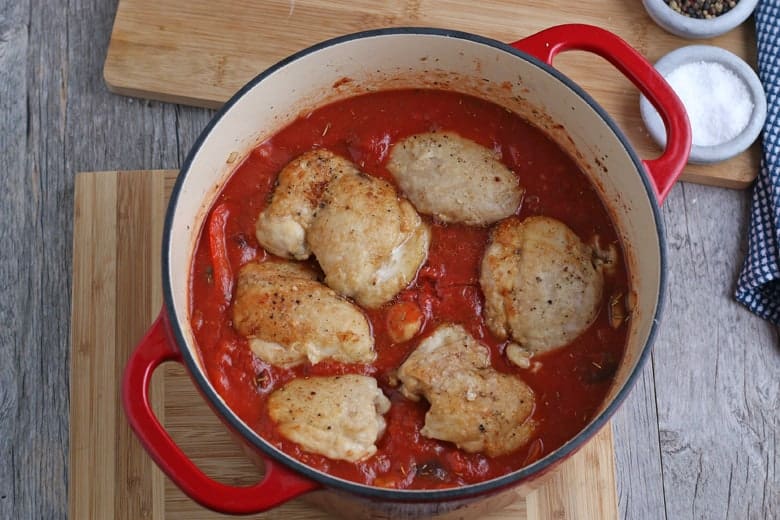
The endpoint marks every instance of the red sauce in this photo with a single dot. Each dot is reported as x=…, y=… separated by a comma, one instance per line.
x=573, y=380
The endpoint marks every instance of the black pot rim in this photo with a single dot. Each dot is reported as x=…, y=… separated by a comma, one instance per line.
x=510, y=479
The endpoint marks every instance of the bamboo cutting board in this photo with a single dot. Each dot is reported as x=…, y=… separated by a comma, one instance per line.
x=116, y=295
x=200, y=52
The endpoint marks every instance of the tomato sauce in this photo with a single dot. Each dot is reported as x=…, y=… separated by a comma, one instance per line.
x=572, y=381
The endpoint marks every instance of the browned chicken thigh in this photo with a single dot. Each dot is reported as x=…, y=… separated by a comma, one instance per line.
x=472, y=404
x=454, y=179
x=289, y=317
x=542, y=287
x=369, y=241
x=340, y=417
x=281, y=228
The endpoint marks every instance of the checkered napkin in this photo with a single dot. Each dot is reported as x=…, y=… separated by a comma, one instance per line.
x=758, y=287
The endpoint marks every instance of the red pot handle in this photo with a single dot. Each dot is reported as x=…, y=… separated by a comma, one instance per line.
x=665, y=169
x=279, y=483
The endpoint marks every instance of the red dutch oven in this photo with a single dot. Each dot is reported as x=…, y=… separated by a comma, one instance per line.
x=520, y=77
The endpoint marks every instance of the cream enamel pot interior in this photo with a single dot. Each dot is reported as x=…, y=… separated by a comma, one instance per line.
x=519, y=77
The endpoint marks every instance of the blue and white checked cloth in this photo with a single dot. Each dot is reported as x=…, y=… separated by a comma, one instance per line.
x=758, y=287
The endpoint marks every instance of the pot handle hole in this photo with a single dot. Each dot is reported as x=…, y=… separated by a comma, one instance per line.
x=665, y=169
x=278, y=485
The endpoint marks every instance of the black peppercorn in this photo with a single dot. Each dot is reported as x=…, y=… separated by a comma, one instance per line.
x=702, y=8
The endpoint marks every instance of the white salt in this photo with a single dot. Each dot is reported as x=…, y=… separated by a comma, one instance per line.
x=717, y=101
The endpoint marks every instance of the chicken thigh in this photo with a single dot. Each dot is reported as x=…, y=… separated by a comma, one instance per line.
x=340, y=417
x=368, y=241
x=289, y=317
x=454, y=179
x=281, y=228
x=472, y=404
x=541, y=287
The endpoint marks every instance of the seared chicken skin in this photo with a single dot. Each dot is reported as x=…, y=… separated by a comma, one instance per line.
x=541, y=286
x=472, y=404
x=289, y=317
x=340, y=417
x=368, y=241
x=454, y=179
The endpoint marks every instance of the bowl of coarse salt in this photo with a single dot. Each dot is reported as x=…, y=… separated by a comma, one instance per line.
x=722, y=95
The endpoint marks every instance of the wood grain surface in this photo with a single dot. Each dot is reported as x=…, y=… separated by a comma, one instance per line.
x=202, y=51
x=691, y=442
x=116, y=293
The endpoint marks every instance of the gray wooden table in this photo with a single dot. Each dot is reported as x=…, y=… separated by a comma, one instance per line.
x=698, y=438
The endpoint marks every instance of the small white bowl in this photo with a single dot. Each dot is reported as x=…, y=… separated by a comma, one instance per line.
x=694, y=28
x=711, y=54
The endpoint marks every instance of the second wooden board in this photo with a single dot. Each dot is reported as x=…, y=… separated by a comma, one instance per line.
x=200, y=52
x=116, y=294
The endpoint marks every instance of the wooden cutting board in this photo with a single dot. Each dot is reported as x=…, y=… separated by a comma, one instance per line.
x=116, y=295
x=200, y=52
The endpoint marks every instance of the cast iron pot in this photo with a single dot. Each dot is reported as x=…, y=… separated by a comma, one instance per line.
x=518, y=76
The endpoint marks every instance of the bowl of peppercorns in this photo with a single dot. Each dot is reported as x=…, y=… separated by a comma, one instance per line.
x=699, y=18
